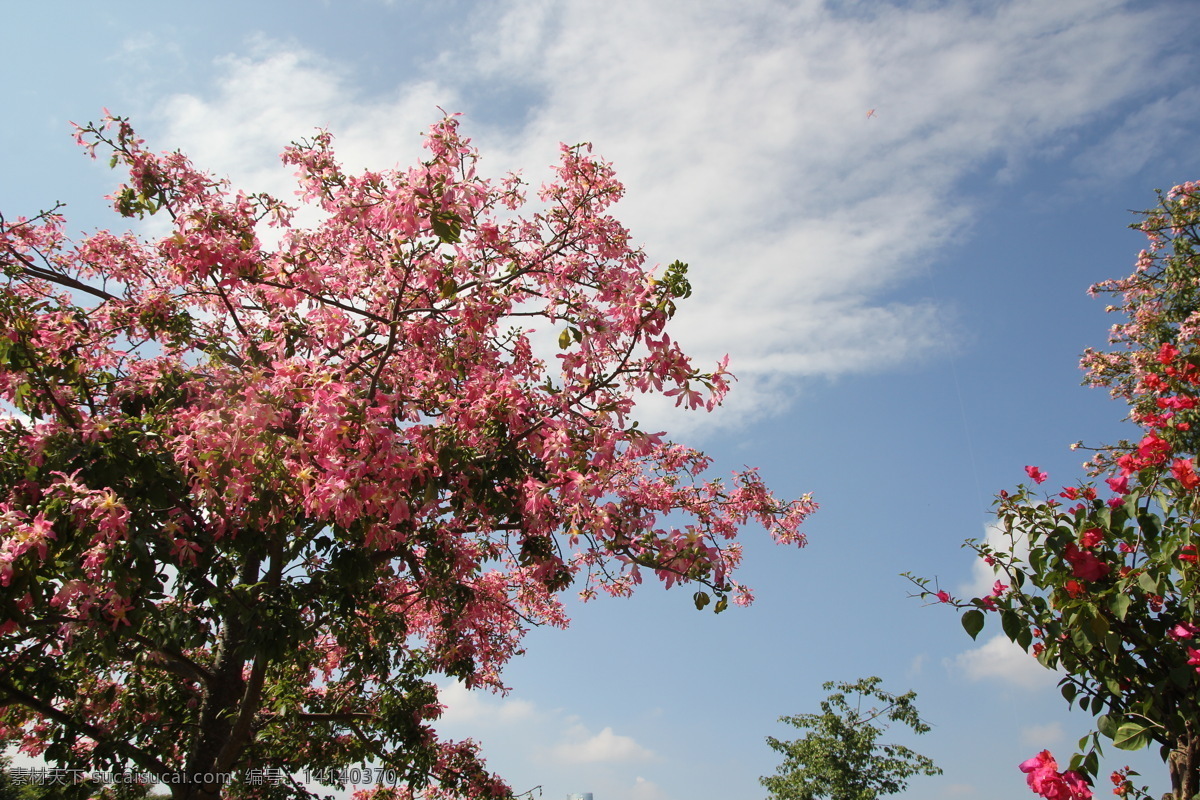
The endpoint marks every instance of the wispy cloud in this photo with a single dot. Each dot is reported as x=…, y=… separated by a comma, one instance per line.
x=1042, y=736
x=741, y=133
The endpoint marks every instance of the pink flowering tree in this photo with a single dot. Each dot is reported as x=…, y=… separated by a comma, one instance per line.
x=1101, y=580
x=259, y=498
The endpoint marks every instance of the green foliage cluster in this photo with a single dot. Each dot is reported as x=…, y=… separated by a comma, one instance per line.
x=841, y=757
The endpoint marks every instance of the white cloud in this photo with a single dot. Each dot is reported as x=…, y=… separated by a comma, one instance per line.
x=741, y=133
x=1043, y=736
x=1000, y=659
x=983, y=576
x=605, y=746
x=1151, y=129
x=467, y=707
x=647, y=790
x=916, y=666
x=278, y=94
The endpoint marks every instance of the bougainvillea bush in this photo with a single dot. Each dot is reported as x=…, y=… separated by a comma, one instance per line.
x=1100, y=579
x=258, y=499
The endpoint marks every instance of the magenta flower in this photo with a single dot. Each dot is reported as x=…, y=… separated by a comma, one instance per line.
x=1184, y=630
x=1044, y=779
x=1035, y=473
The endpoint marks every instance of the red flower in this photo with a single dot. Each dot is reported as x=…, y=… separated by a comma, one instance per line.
x=1167, y=353
x=1091, y=537
x=1084, y=564
x=1153, y=449
x=1035, y=473
x=1185, y=472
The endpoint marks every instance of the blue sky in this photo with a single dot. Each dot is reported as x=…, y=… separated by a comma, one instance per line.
x=902, y=297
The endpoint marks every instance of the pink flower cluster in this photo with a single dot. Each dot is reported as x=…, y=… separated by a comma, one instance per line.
x=372, y=390
x=1044, y=779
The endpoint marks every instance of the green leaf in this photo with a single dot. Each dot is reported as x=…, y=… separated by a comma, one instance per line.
x=1132, y=736
x=972, y=622
x=1082, y=640
x=446, y=228
x=1012, y=624
x=1069, y=690
x=1106, y=725
x=1150, y=525
x=1119, y=604
x=1181, y=676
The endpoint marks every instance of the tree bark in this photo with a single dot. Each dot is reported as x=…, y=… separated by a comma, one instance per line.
x=1184, y=766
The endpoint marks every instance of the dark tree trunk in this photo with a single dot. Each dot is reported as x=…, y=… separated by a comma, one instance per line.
x=1184, y=766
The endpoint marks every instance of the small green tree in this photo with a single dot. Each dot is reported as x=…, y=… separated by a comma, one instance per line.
x=841, y=757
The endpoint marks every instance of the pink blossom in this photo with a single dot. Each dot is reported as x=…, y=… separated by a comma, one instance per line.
x=1039, y=763
x=1035, y=473
x=1184, y=630
x=1044, y=779
x=363, y=378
